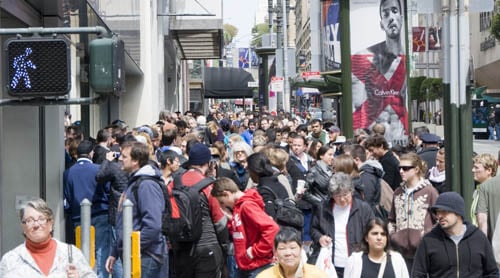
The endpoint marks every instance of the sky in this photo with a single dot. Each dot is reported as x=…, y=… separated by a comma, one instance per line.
x=240, y=13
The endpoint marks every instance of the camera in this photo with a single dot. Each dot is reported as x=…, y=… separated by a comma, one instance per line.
x=213, y=163
x=116, y=155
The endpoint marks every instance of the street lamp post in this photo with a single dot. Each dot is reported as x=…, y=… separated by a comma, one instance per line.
x=286, y=84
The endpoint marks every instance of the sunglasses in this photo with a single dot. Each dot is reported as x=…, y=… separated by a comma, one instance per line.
x=406, y=168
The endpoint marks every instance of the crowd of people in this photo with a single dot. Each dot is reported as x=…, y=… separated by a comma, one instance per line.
x=258, y=161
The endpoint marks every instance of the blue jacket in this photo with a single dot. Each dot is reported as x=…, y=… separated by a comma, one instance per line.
x=80, y=183
x=248, y=136
x=146, y=213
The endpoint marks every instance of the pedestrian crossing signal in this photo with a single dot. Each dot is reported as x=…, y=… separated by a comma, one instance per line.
x=37, y=67
x=106, y=65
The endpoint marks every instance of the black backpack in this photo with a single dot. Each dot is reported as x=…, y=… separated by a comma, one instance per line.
x=287, y=212
x=182, y=218
x=184, y=210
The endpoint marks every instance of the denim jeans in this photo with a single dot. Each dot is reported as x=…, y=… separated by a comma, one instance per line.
x=491, y=131
x=103, y=237
x=307, y=225
x=232, y=267
x=150, y=268
x=118, y=266
x=497, y=130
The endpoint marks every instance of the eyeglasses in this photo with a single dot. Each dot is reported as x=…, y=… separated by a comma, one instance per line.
x=406, y=168
x=30, y=221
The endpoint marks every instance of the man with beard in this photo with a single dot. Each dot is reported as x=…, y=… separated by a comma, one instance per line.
x=454, y=247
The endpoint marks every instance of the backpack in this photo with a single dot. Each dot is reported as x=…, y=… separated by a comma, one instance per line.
x=384, y=205
x=287, y=212
x=182, y=217
x=184, y=210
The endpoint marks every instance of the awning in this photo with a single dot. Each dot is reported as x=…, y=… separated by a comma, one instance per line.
x=492, y=95
x=227, y=83
x=330, y=82
x=197, y=28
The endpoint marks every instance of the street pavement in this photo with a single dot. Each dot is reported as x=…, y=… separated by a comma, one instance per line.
x=486, y=146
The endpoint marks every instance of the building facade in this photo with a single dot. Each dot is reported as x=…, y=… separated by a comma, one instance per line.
x=160, y=37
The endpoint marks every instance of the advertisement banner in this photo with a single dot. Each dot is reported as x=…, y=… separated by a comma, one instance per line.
x=330, y=34
x=434, y=38
x=244, y=58
x=418, y=34
x=378, y=57
x=419, y=38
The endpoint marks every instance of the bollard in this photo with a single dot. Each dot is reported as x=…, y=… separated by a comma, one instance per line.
x=136, y=254
x=78, y=243
x=127, y=241
x=85, y=206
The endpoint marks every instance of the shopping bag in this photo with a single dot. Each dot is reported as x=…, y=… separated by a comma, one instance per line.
x=324, y=261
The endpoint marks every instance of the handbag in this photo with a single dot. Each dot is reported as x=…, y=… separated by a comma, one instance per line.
x=325, y=263
x=287, y=212
x=314, y=196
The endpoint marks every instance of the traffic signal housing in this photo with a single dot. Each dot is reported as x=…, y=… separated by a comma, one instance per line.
x=106, y=67
x=37, y=66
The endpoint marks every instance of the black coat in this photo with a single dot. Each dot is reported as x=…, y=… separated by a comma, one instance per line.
x=110, y=171
x=438, y=256
x=318, y=180
x=297, y=172
x=268, y=197
x=323, y=223
x=370, y=178
x=391, y=170
x=99, y=154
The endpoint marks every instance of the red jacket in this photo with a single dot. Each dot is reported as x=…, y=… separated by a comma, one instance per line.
x=252, y=226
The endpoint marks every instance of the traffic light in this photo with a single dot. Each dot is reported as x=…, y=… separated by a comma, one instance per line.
x=107, y=74
x=37, y=67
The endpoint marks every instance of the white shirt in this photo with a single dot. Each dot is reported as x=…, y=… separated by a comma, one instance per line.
x=341, y=216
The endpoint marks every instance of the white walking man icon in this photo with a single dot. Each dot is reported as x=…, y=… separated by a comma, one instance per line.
x=21, y=64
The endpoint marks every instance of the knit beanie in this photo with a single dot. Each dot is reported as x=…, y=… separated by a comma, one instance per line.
x=450, y=201
x=199, y=154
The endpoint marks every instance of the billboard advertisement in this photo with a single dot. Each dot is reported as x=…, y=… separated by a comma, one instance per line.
x=419, y=38
x=330, y=34
x=244, y=58
x=378, y=57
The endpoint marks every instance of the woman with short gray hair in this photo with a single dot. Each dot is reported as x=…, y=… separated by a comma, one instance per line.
x=339, y=183
x=340, y=221
x=41, y=255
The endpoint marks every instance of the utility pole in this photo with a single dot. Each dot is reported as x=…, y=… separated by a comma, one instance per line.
x=286, y=83
x=457, y=112
x=428, y=58
x=345, y=114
